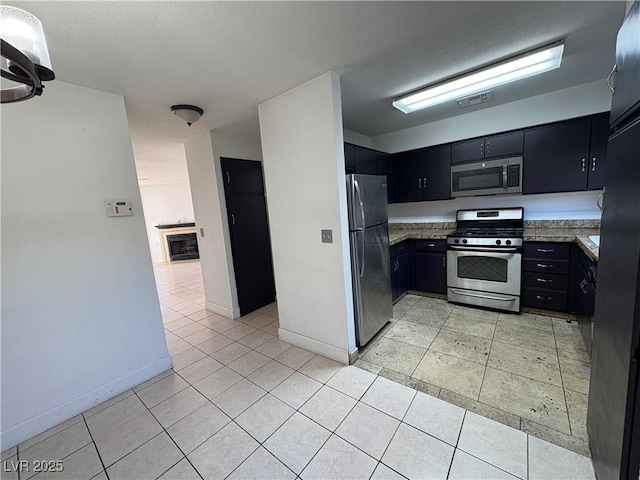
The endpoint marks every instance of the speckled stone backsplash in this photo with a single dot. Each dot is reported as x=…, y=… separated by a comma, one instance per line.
x=414, y=226
x=587, y=223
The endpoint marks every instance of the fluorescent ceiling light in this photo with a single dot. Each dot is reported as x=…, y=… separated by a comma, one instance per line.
x=522, y=66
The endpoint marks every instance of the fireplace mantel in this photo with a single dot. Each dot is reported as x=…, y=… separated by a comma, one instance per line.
x=172, y=229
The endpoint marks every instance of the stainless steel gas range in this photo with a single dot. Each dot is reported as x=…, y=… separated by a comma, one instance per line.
x=484, y=258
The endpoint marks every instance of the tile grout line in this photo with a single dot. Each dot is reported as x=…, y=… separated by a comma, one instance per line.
x=104, y=468
x=486, y=366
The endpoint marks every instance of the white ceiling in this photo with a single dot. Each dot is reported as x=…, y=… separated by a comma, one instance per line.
x=228, y=57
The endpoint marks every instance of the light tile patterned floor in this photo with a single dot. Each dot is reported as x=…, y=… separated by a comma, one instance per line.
x=266, y=410
x=527, y=371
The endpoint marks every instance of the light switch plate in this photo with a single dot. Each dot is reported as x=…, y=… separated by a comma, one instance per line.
x=327, y=236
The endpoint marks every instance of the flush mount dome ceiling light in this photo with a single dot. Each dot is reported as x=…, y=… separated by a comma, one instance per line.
x=25, y=58
x=522, y=66
x=187, y=113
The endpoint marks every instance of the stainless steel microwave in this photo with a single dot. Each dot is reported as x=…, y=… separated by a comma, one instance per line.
x=490, y=177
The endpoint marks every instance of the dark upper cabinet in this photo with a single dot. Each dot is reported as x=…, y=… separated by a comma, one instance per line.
x=385, y=166
x=366, y=160
x=241, y=176
x=424, y=174
x=409, y=175
x=500, y=145
x=467, y=151
x=436, y=173
x=349, y=157
x=556, y=157
x=598, y=150
x=626, y=96
x=504, y=144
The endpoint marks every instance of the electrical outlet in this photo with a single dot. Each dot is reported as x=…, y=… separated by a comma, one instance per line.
x=327, y=236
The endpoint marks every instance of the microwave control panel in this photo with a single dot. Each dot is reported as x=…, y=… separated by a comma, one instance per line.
x=513, y=175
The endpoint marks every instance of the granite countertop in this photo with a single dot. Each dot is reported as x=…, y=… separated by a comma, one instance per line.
x=568, y=231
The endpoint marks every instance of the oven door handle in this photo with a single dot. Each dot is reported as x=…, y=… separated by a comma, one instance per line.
x=485, y=249
x=488, y=297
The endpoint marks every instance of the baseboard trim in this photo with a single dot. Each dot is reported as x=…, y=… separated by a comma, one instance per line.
x=315, y=346
x=224, y=311
x=54, y=416
x=353, y=356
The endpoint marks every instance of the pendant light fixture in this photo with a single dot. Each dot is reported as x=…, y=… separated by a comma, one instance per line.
x=187, y=113
x=522, y=66
x=25, y=58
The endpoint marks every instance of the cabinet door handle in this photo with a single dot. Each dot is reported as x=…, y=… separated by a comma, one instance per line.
x=593, y=164
x=542, y=298
x=444, y=265
x=424, y=182
x=543, y=280
x=545, y=250
x=431, y=245
x=233, y=219
x=420, y=182
x=488, y=147
x=584, y=165
x=542, y=265
x=228, y=178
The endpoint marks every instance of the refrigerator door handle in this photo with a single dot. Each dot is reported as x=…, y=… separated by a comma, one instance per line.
x=359, y=195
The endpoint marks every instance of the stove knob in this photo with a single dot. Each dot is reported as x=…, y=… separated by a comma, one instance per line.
x=464, y=241
x=498, y=242
x=508, y=242
x=457, y=241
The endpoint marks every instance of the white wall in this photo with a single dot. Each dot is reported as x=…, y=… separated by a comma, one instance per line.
x=80, y=315
x=302, y=145
x=207, y=191
x=356, y=138
x=548, y=206
x=563, y=104
x=162, y=204
x=572, y=102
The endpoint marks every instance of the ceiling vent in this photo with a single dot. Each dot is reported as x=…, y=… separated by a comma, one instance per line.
x=475, y=99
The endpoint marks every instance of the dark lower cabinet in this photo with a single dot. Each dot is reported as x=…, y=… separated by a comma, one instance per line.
x=430, y=266
x=545, y=275
x=582, y=275
x=399, y=263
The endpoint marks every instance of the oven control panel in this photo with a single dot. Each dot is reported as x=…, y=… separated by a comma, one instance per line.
x=513, y=176
x=484, y=242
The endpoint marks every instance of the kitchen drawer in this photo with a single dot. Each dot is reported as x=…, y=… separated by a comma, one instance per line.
x=558, y=267
x=545, y=299
x=545, y=280
x=546, y=250
x=398, y=249
x=430, y=245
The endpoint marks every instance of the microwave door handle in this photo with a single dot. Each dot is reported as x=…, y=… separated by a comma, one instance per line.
x=504, y=177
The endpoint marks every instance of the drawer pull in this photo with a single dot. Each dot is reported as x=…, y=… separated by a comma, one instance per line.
x=545, y=250
x=542, y=298
x=542, y=265
x=542, y=280
x=431, y=245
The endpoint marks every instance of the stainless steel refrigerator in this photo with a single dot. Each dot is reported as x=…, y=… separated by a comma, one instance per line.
x=369, y=238
x=613, y=417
